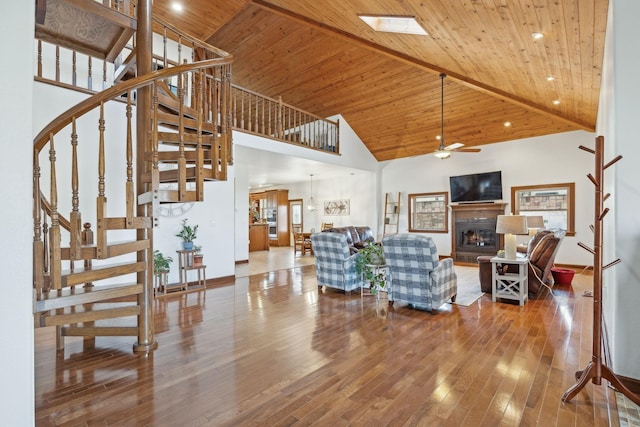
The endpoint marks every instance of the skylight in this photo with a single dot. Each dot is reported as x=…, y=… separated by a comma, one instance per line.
x=394, y=24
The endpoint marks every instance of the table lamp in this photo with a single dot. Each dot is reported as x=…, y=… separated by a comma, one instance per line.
x=534, y=223
x=510, y=225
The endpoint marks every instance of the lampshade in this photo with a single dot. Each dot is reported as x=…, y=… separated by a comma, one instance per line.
x=510, y=225
x=535, y=223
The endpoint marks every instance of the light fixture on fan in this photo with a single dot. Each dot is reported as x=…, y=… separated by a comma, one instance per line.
x=311, y=204
x=444, y=152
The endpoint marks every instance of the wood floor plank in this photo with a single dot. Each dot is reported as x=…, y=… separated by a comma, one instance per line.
x=273, y=349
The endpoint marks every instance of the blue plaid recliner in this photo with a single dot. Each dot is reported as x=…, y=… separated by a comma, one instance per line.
x=335, y=265
x=418, y=277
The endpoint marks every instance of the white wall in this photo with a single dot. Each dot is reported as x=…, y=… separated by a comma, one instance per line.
x=16, y=308
x=543, y=160
x=617, y=121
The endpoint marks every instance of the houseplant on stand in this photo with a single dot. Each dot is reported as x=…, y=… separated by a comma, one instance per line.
x=188, y=234
x=197, y=256
x=161, y=268
x=369, y=261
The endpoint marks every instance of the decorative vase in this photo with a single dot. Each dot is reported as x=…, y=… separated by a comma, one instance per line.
x=187, y=246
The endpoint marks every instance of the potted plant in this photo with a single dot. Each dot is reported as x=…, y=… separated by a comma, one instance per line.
x=197, y=256
x=161, y=263
x=187, y=234
x=368, y=263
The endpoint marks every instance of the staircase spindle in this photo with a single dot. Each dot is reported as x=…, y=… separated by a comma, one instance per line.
x=39, y=58
x=74, y=69
x=38, y=247
x=89, y=74
x=46, y=285
x=199, y=171
x=104, y=75
x=182, y=161
x=57, y=63
x=75, y=229
x=54, y=231
x=87, y=239
x=155, y=173
x=164, y=47
x=101, y=202
x=129, y=190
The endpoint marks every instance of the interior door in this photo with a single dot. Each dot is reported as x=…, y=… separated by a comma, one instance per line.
x=295, y=217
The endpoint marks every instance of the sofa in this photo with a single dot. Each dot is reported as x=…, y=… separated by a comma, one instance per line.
x=541, y=251
x=357, y=236
x=417, y=275
x=335, y=264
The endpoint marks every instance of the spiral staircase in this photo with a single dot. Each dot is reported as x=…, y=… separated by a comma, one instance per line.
x=92, y=265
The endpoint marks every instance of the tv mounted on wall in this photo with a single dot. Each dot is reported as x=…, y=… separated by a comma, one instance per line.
x=477, y=187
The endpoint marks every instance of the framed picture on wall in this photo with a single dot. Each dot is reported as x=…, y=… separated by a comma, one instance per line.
x=336, y=207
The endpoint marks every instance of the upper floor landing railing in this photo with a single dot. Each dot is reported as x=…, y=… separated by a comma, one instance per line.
x=260, y=115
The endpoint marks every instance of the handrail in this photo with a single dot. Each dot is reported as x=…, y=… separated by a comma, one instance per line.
x=92, y=102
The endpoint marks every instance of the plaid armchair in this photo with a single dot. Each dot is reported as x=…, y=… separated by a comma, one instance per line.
x=418, y=277
x=335, y=266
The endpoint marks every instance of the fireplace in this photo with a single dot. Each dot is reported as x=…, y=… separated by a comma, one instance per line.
x=474, y=231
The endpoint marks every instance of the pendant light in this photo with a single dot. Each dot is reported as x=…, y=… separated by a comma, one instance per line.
x=441, y=153
x=311, y=204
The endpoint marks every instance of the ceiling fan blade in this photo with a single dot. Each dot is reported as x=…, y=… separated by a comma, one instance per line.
x=467, y=150
x=454, y=146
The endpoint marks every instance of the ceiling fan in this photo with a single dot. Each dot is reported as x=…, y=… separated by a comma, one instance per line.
x=444, y=152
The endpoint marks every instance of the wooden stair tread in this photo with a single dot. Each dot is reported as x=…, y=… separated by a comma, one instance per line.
x=82, y=275
x=70, y=297
x=113, y=249
x=171, y=121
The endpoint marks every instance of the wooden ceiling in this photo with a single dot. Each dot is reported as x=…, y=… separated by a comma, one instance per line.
x=319, y=56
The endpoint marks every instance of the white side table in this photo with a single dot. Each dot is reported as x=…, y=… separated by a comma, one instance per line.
x=510, y=284
x=378, y=270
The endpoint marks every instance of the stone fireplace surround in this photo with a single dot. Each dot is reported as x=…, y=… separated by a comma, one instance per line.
x=473, y=231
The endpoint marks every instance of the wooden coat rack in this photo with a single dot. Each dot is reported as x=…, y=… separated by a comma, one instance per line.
x=597, y=368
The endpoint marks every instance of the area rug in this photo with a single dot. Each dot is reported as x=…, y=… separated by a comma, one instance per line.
x=468, y=292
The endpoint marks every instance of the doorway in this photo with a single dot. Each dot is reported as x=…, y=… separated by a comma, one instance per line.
x=295, y=217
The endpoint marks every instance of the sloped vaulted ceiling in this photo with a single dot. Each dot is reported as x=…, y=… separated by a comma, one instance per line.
x=319, y=56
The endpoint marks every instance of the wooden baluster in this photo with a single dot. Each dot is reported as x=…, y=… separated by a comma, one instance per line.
x=129, y=189
x=38, y=247
x=89, y=76
x=155, y=173
x=104, y=75
x=269, y=118
x=54, y=232
x=101, y=202
x=39, y=58
x=193, y=76
x=74, y=69
x=75, y=216
x=87, y=239
x=182, y=161
x=164, y=47
x=46, y=286
x=242, y=111
x=199, y=177
x=279, y=118
x=179, y=48
x=57, y=63
x=256, y=128
x=227, y=149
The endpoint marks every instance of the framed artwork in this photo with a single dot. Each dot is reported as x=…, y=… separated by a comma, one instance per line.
x=336, y=207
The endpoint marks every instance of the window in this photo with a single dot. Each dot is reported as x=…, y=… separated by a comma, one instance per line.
x=555, y=202
x=428, y=212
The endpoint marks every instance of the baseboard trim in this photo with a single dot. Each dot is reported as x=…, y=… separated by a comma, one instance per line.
x=242, y=261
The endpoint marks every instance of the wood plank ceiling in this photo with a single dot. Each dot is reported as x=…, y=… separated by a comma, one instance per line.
x=319, y=56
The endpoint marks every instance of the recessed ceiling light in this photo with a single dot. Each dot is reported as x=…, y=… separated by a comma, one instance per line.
x=507, y=124
x=537, y=36
x=556, y=102
x=438, y=137
x=394, y=24
x=550, y=78
x=177, y=6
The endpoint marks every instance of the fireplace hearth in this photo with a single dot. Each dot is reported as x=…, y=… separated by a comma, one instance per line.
x=474, y=231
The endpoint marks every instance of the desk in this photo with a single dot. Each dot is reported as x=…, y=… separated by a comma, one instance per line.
x=510, y=284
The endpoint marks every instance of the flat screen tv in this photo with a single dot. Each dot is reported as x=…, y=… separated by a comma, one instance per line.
x=477, y=187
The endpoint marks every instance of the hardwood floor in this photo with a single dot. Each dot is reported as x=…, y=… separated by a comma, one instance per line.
x=271, y=349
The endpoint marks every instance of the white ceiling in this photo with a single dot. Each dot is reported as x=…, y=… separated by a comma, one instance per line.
x=267, y=168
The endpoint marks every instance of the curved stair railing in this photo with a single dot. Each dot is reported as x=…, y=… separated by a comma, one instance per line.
x=189, y=134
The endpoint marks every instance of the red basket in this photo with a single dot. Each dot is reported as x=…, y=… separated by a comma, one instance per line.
x=562, y=276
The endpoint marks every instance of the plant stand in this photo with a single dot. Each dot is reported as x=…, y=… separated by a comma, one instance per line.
x=379, y=272
x=597, y=368
x=185, y=265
